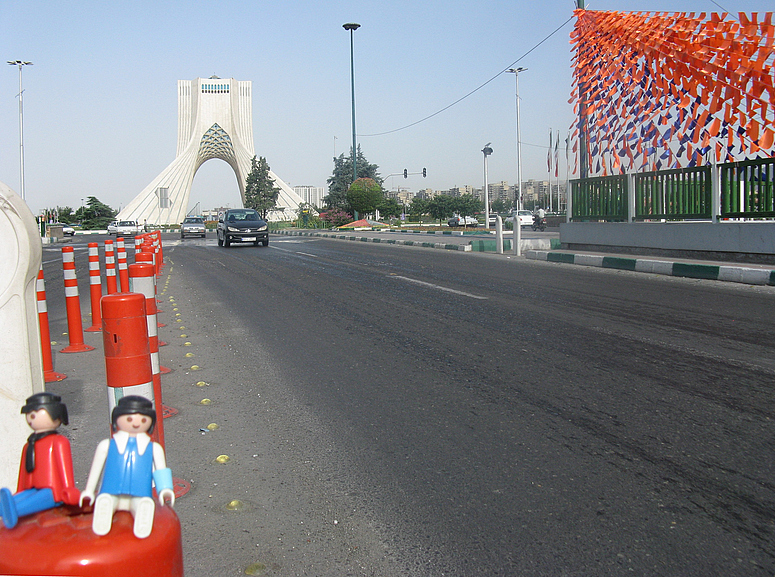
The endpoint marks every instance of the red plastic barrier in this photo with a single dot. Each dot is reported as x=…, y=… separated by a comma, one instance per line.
x=141, y=280
x=73, y=305
x=110, y=268
x=49, y=375
x=60, y=541
x=123, y=273
x=95, y=287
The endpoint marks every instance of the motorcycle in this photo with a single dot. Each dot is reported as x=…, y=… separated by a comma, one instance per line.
x=539, y=223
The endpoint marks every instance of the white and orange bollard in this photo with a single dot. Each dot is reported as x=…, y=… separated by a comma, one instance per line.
x=73, y=305
x=126, y=347
x=95, y=287
x=123, y=273
x=110, y=268
x=141, y=280
x=138, y=244
x=49, y=374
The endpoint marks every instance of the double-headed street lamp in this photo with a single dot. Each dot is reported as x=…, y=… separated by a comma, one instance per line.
x=518, y=195
x=20, y=64
x=352, y=26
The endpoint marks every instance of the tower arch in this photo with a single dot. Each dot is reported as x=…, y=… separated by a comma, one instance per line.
x=215, y=120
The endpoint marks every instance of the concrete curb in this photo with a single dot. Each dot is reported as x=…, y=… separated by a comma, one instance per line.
x=739, y=274
x=439, y=245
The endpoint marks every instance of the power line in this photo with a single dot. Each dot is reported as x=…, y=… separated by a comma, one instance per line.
x=474, y=90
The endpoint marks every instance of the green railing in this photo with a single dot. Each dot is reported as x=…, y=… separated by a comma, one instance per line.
x=674, y=194
x=748, y=189
x=600, y=198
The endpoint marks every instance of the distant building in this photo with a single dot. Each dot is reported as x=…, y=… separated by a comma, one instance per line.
x=311, y=194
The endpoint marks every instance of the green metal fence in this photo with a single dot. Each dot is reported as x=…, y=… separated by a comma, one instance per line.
x=674, y=194
x=600, y=198
x=748, y=189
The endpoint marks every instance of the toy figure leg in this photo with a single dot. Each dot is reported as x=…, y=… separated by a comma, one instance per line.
x=143, y=509
x=25, y=503
x=104, y=507
x=8, y=508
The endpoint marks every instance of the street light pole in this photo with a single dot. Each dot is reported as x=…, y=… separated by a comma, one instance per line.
x=516, y=72
x=487, y=151
x=21, y=63
x=352, y=26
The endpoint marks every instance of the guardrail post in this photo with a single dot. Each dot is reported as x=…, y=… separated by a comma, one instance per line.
x=715, y=192
x=630, y=197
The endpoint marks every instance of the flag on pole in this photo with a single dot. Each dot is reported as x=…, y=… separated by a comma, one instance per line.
x=557, y=156
x=549, y=154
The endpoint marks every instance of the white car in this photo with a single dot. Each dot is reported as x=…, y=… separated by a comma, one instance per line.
x=463, y=221
x=67, y=230
x=525, y=217
x=125, y=228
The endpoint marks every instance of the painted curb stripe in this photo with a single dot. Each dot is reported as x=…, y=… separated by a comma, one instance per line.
x=619, y=263
x=704, y=271
x=560, y=257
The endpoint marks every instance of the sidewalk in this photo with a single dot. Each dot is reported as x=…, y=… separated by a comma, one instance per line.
x=671, y=266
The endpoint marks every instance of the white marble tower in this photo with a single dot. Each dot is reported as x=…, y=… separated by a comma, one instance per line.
x=215, y=120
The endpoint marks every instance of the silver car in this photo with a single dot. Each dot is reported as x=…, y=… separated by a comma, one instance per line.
x=193, y=226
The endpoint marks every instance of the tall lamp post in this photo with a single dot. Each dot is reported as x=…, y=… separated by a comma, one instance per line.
x=487, y=151
x=352, y=26
x=20, y=64
x=516, y=72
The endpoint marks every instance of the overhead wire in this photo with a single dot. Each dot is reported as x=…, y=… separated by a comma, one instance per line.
x=474, y=90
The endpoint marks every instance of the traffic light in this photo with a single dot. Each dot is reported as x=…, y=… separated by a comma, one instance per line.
x=424, y=173
x=405, y=173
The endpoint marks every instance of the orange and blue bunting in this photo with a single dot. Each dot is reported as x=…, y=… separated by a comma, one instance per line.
x=659, y=90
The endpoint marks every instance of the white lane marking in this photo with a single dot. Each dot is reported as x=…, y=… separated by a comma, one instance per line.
x=307, y=254
x=441, y=288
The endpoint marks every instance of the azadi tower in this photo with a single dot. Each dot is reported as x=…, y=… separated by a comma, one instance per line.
x=215, y=120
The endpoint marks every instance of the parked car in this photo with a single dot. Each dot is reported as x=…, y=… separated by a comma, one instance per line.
x=67, y=230
x=125, y=228
x=193, y=226
x=241, y=225
x=458, y=220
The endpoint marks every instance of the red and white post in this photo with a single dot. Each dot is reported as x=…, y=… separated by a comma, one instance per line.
x=49, y=374
x=141, y=280
x=73, y=305
x=95, y=287
x=138, y=245
x=127, y=349
x=123, y=273
x=110, y=267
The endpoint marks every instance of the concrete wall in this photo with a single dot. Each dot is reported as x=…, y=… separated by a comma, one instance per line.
x=753, y=241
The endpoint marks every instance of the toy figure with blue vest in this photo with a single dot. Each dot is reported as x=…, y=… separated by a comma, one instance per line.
x=46, y=469
x=129, y=464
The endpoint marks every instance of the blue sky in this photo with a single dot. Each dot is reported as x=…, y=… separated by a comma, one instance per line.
x=100, y=101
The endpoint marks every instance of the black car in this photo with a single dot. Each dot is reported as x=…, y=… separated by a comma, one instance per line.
x=242, y=225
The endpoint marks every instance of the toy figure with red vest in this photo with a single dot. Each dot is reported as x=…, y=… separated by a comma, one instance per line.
x=46, y=470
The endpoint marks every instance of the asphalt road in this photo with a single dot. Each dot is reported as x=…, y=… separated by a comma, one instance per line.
x=403, y=411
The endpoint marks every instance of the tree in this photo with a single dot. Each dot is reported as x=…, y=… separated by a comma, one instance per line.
x=467, y=204
x=339, y=182
x=364, y=195
x=500, y=205
x=390, y=207
x=418, y=207
x=442, y=206
x=260, y=190
x=95, y=215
